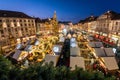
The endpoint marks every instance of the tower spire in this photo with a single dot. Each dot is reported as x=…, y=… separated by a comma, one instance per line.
x=54, y=16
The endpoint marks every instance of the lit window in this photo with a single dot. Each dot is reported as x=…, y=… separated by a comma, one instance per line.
x=116, y=23
x=0, y=20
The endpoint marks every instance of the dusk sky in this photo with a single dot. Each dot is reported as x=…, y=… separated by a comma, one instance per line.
x=67, y=10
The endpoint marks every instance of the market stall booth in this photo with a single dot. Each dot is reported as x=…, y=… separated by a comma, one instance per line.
x=77, y=61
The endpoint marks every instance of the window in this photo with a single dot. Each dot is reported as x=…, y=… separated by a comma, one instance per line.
x=29, y=24
x=8, y=25
x=25, y=24
x=26, y=29
x=15, y=25
x=14, y=20
x=9, y=30
x=116, y=23
x=7, y=20
x=28, y=20
x=20, y=20
x=24, y=20
x=22, y=29
x=21, y=25
x=32, y=24
x=31, y=20
x=1, y=31
x=0, y=20
x=16, y=29
x=0, y=25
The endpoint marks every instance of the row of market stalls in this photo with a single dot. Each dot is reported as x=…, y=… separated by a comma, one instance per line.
x=56, y=49
x=105, y=56
x=111, y=41
x=34, y=50
x=75, y=56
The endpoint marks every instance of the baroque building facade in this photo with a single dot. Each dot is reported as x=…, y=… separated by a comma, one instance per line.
x=88, y=24
x=48, y=25
x=13, y=26
x=107, y=24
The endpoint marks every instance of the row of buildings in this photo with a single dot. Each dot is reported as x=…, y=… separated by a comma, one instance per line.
x=18, y=26
x=107, y=24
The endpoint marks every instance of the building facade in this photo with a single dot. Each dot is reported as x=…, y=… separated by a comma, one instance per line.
x=15, y=26
x=107, y=24
x=89, y=24
x=47, y=26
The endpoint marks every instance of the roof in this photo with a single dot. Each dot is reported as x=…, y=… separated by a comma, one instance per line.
x=19, y=46
x=109, y=52
x=88, y=19
x=48, y=58
x=65, y=22
x=104, y=52
x=75, y=51
x=77, y=61
x=110, y=63
x=19, y=55
x=28, y=48
x=98, y=44
x=95, y=44
x=16, y=14
x=90, y=38
x=100, y=52
x=91, y=44
x=16, y=55
x=43, y=20
x=113, y=15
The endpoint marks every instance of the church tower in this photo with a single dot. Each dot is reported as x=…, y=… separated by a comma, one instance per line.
x=54, y=23
x=55, y=16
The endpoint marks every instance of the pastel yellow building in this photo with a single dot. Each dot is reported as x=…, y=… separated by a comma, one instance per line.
x=14, y=26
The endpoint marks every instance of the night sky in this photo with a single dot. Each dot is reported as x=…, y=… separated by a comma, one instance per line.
x=67, y=10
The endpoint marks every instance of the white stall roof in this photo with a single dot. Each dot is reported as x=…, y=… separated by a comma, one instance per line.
x=28, y=48
x=54, y=58
x=37, y=42
x=20, y=55
x=77, y=61
x=90, y=38
x=95, y=44
x=99, y=52
x=110, y=63
x=109, y=52
x=98, y=44
x=75, y=51
x=16, y=55
x=19, y=46
x=91, y=44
